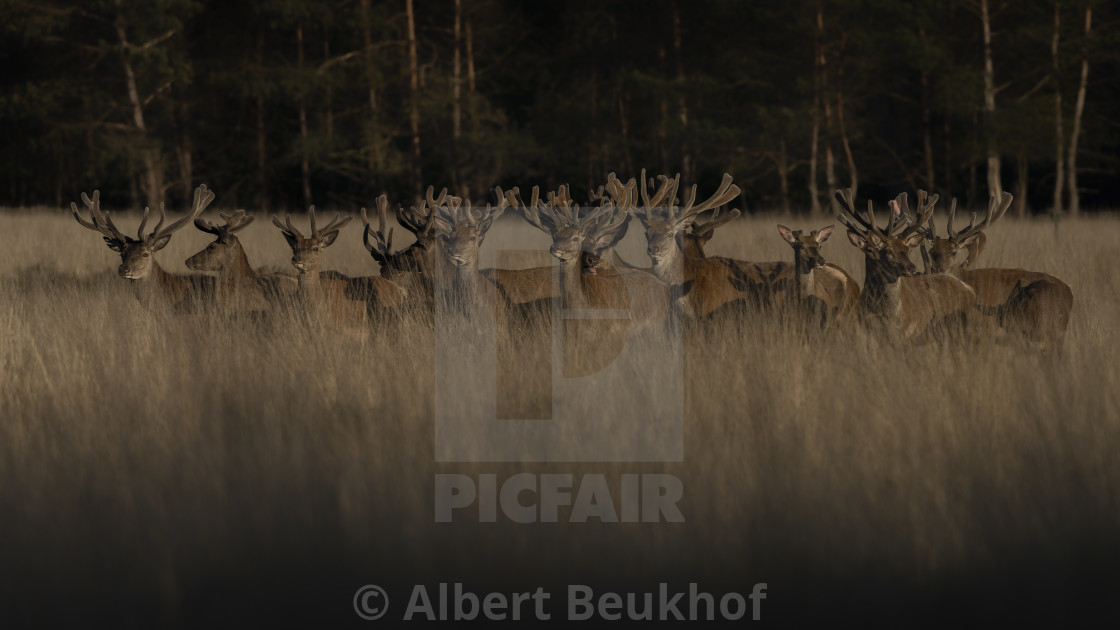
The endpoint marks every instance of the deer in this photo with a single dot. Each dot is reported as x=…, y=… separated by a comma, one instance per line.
x=1031, y=305
x=769, y=281
x=415, y=267
x=895, y=299
x=529, y=286
x=239, y=288
x=823, y=289
x=155, y=288
x=408, y=268
x=583, y=241
x=622, y=196
x=346, y=300
x=698, y=285
x=426, y=224
x=461, y=233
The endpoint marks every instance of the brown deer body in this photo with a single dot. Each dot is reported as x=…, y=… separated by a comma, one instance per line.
x=155, y=288
x=410, y=270
x=415, y=268
x=823, y=289
x=591, y=275
x=698, y=285
x=768, y=282
x=1033, y=305
x=894, y=299
x=522, y=286
x=345, y=300
x=239, y=287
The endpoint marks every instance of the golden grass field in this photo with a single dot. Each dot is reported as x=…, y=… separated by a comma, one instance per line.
x=187, y=472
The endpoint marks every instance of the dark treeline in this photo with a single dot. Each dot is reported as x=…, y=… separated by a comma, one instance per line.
x=281, y=103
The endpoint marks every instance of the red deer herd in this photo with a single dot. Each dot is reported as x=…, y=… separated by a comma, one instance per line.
x=950, y=299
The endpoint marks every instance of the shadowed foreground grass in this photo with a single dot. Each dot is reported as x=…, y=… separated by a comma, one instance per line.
x=196, y=471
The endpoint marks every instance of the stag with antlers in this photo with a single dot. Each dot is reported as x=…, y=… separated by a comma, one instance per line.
x=154, y=286
x=344, y=299
x=894, y=298
x=461, y=232
x=1030, y=304
x=239, y=287
x=531, y=287
x=583, y=240
x=699, y=285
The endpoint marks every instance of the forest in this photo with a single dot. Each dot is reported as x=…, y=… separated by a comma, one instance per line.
x=279, y=104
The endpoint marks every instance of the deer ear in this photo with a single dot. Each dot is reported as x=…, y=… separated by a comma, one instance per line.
x=857, y=240
x=484, y=227
x=114, y=244
x=914, y=240
x=328, y=238
x=292, y=240
x=786, y=234
x=159, y=243
x=608, y=240
x=823, y=234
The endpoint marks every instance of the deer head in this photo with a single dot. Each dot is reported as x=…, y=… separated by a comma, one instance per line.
x=609, y=228
x=466, y=228
x=565, y=222
x=426, y=224
x=886, y=251
x=306, y=250
x=944, y=252
x=379, y=244
x=665, y=225
x=225, y=253
x=806, y=247
x=136, y=253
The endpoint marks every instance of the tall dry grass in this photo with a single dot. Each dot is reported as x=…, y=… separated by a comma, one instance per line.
x=193, y=470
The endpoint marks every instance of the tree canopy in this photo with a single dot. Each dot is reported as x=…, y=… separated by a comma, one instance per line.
x=281, y=103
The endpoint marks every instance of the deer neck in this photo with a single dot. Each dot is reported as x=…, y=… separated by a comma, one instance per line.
x=239, y=266
x=467, y=284
x=806, y=280
x=675, y=272
x=468, y=278
x=881, y=293
x=237, y=271
x=158, y=287
x=612, y=260
x=462, y=288
x=571, y=284
x=237, y=279
x=310, y=284
x=670, y=269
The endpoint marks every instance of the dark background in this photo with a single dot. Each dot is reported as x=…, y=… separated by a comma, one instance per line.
x=283, y=103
